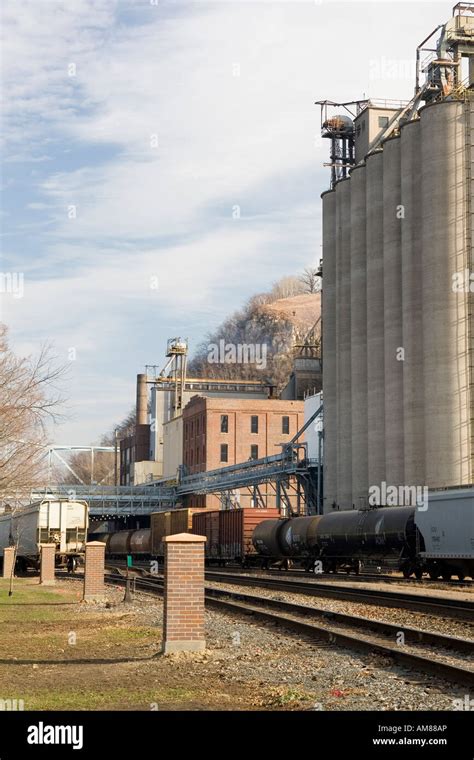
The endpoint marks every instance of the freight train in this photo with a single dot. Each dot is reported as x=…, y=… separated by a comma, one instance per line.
x=228, y=533
x=437, y=540
x=62, y=522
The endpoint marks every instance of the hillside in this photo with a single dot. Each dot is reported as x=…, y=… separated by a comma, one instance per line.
x=277, y=326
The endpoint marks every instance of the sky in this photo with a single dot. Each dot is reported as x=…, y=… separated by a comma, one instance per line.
x=162, y=162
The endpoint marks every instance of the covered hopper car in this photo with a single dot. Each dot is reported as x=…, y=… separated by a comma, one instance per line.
x=62, y=522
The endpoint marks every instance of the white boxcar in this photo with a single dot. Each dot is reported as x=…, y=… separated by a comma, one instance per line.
x=447, y=527
x=56, y=521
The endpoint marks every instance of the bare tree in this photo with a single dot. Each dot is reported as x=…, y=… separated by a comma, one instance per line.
x=29, y=397
x=286, y=287
x=310, y=280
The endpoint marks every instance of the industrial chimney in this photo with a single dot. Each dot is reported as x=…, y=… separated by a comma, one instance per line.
x=142, y=400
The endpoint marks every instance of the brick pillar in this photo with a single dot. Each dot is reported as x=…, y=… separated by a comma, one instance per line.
x=94, y=587
x=8, y=557
x=183, y=616
x=47, y=555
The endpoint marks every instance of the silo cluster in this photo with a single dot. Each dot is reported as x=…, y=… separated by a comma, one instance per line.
x=398, y=327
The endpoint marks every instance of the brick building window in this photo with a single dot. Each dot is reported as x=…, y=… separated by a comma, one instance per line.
x=224, y=423
x=254, y=451
x=285, y=425
x=224, y=452
x=254, y=424
x=197, y=426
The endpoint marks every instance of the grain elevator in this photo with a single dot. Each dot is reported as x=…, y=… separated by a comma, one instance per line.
x=398, y=280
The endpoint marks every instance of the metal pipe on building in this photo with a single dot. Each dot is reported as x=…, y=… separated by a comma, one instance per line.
x=445, y=134
x=375, y=320
x=343, y=343
x=329, y=348
x=392, y=304
x=359, y=336
x=412, y=273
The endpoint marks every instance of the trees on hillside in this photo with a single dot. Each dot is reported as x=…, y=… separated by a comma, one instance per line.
x=259, y=327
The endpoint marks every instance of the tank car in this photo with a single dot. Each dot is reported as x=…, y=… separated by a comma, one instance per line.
x=342, y=540
x=346, y=538
x=118, y=544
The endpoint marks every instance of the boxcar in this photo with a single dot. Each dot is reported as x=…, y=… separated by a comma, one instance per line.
x=168, y=524
x=207, y=524
x=229, y=532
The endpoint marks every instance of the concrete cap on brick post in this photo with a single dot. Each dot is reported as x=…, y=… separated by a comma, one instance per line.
x=8, y=559
x=183, y=614
x=94, y=587
x=47, y=557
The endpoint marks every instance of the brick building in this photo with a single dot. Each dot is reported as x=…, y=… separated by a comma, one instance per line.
x=135, y=454
x=220, y=432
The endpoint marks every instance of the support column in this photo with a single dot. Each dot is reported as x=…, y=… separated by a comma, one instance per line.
x=47, y=553
x=183, y=616
x=94, y=587
x=8, y=560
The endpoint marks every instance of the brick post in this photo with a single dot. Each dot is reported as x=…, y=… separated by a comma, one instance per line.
x=47, y=555
x=183, y=615
x=94, y=587
x=8, y=557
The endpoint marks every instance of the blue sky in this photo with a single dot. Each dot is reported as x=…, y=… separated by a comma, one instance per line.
x=154, y=122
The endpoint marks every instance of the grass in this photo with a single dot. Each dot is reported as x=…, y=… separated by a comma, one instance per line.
x=107, y=698
x=28, y=591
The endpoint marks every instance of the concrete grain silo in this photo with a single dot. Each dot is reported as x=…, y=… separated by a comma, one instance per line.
x=393, y=338
x=398, y=281
x=343, y=343
x=358, y=276
x=446, y=250
x=329, y=349
x=413, y=378
x=375, y=320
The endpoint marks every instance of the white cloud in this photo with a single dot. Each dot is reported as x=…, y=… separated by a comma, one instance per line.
x=229, y=91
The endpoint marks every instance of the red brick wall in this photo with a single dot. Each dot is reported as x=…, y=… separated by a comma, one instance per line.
x=202, y=437
x=94, y=587
x=47, y=556
x=8, y=554
x=183, y=614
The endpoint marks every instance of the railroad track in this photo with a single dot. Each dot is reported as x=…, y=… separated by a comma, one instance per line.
x=439, y=606
x=363, y=576
x=344, y=577
x=339, y=629
x=445, y=607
